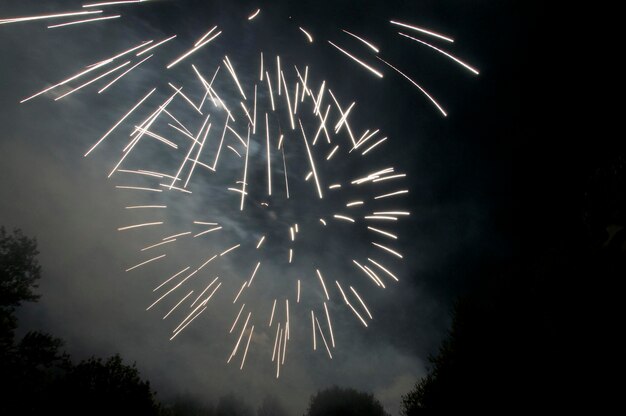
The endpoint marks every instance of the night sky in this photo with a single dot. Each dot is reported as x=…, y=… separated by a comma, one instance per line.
x=461, y=176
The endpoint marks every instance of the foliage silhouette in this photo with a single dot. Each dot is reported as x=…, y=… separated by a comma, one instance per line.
x=337, y=401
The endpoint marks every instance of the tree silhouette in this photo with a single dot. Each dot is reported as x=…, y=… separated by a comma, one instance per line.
x=271, y=406
x=337, y=401
x=230, y=405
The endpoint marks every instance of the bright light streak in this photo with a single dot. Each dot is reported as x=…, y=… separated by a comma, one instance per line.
x=319, y=275
x=177, y=235
x=272, y=315
x=425, y=31
x=48, y=16
x=269, y=87
x=293, y=126
x=395, y=253
x=369, y=45
x=112, y=3
x=373, y=146
x=308, y=35
x=298, y=292
x=368, y=274
x=156, y=45
x=385, y=233
x=380, y=266
x=276, y=342
x=206, y=35
x=357, y=60
x=119, y=122
x=418, y=87
x=207, y=231
x=308, y=150
x=177, y=305
x=260, y=242
x=254, y=273
x=157, y=244
x=392, y=213
x=269, y=160
x=334, y=186
x=380, y=217
x=124, y=73
x=145, y=262
x=255, y=14
x=386, y=178
x=92, y=81
x=232, y=354
x=313, y=327
x=245, y=172
x=231, y=69
x=404, y=191
x=230, y=249
x=139, y=225
x=232, y=328
x=343, y=217
x=202, y=294
x=354, y=203
x=138, y=188
x=362, y=303
x=455, y=59
x=332, y=152
x=77, y=22
x=323, y=222
x=146, y=206
x=247, y=345
x=323, y=338
x=193, y=50
x=170, y=279
x=285, y=170
x=330, y=326
x=243, y=286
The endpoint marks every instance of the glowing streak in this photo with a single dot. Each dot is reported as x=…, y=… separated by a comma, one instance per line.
x=232, y=328
x=275, y=342
x=145, y=262
x=313, y=327
x=146, y=206
x=120, y=121
x=260, y=242
x=385, y=233
x=380, y=266
x=207, y=231
x=206, y=35
x=261, y=72
x=255, y=14
x=380, y=217
x=323, y=338
x=334, y=186
x=112, y=3
x=395, y=253
x=233, y=149
x=232, y=354
x=308, y=150
x=305, y=90
x=295, y=99
x=330, y=326
x=419, y=29
x=139, y=225
x=272, y=315
x=278, y=71
x=417, y=86
x=341, y=112
x=296, y=228
x=202, y=294
x=280, y=340
x=177, y=305
x=455, y=59
x=230, y=249
x=182, y=323
x=373, y=146
x=254, y=273
x=245, y=110
x=393, y=213
x=344, y=118
x=362, y=303
x=290, y=255
x=371, y=276
x=193, y=145
x=369, y=45
x=204, y=223
x=49, y=16
x=231, y=69
x=269, y=168
x=246, y=350
x=193, y=50
x=342, y=217
x=83, y=21
x=405, y=191
x=204, y=302
x=269, y=87
x=124, y=73
x=365, y=139
x=354, y=203
x=308, y=176
x=174, y=188
x=322, y=127
x=245, y=172
x=323, y=222
x=190, y=321
x=293, y=126
x=308, y=35
x=323, y=284
x=332, y=152
x=177, y=235
x=92, y=81
x=298, y=293
x=80, y=74
x=156, y=45
x=137, y=188
x=157, y=244
x=240, y=291
x=320, y=96
x=350, y=305
x=285, y=170
x=386, y=178
x=292, y=234
x=357, y=60
x=155, y=136
x=219, y=149
x=206, y=262
x=254, y=117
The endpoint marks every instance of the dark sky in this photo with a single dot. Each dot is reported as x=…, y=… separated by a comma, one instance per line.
x=460, y=176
